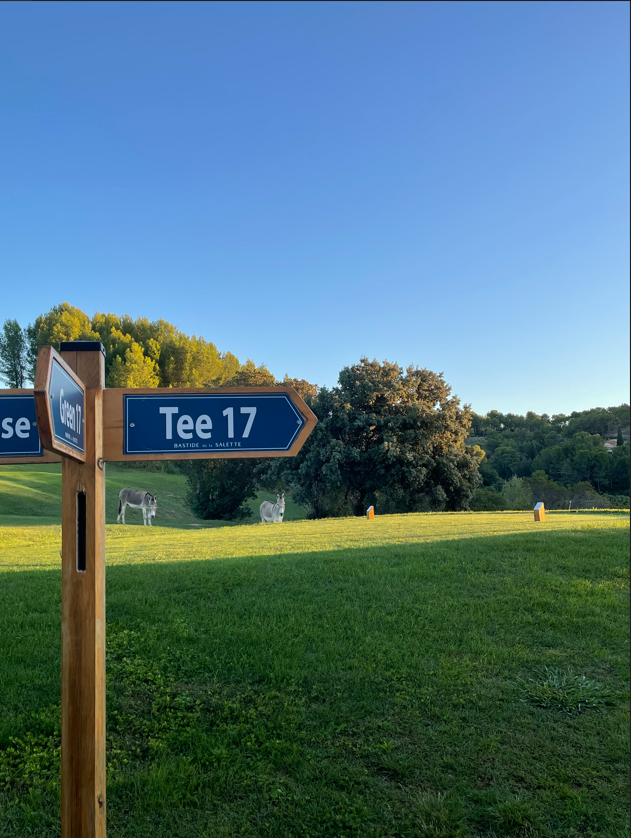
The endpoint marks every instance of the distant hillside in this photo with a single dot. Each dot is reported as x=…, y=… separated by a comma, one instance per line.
x=569, y=450
x=34, y=492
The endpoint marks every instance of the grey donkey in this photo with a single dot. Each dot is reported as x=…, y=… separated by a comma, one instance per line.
x=137, y=500
x=272, y=513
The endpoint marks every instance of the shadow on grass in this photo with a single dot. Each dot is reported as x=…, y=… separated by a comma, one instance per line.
x=527, y=588
x=364, y=691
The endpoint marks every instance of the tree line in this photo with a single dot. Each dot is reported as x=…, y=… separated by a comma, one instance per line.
x=560, y=460
x=392, y=437
x=138, y=353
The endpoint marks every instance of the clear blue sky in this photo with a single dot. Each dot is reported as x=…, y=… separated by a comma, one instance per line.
x=445, y=184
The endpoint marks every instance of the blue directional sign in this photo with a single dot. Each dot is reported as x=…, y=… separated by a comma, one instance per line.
x=66, y=408
x=243, y=422
x=19, y=436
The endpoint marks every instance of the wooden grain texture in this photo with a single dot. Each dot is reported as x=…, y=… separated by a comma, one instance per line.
x=43, y=371
x=113, y=421
x=83, y=621
x=47, y=456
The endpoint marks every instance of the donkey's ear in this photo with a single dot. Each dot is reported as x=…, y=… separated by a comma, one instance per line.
x=283, y=495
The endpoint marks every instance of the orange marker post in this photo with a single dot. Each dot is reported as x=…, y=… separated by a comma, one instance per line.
x=540, y=512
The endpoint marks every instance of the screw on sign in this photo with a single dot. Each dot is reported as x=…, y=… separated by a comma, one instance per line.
x=89, y=425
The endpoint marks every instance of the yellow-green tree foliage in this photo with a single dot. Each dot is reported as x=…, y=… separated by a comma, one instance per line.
x=63, y=322
x=135, y=370
x=249, y=375
x=305, y=389
x=142, y=352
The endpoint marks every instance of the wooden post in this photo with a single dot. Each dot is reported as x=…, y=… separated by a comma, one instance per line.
x=83, y=612
x=540, y=512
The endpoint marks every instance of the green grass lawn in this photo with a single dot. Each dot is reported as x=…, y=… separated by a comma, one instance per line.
x=417, y=676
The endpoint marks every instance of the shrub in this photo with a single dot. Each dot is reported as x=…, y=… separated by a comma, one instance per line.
x=486, y=500
x=517, y=494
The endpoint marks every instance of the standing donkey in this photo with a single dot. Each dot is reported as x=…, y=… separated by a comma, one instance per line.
x=137, y=500
x=272, y=513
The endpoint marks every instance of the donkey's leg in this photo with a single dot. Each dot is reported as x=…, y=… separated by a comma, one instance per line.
x=122, y=515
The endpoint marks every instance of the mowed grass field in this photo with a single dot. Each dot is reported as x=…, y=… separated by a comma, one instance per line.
x=414, y=676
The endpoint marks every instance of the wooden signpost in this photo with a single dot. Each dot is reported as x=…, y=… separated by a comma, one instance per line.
x=88, y=425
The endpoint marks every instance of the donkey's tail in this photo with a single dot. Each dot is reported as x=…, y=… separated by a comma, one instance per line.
x=120, y=506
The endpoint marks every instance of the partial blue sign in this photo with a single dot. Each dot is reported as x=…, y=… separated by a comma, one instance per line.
x=19, y=436
x=66, y=408
x=248, y=422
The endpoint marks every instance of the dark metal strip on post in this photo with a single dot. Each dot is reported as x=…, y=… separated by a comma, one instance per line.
x=82, y=346
x=81, y=532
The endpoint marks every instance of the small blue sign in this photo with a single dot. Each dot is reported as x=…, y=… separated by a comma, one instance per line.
x=19, y=436
x=66, y=408
x=188, y=423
